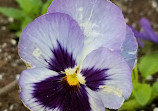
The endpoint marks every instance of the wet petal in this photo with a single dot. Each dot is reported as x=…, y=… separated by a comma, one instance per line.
x=102, y=21
x=45, y=90
x=54, y=41
x=108, y=71
x=129, y=48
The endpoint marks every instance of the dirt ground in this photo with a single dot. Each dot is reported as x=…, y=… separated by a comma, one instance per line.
x=11, y=65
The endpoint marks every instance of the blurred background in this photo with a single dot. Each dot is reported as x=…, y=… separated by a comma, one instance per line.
x=14, y=17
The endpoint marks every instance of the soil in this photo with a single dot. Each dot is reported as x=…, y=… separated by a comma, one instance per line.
x=11, y=65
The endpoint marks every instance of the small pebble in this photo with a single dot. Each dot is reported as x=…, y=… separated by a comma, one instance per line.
x=13, y=42
x=13, y=64
x=11, y=19
x=5, y=110
x=154, y=4
x=1, y=76
x=3, y=28
x=11, y=107
x=149, y=78
x=17, y=76
x=155, y=109
x=134, y=25
x=18, y=60
x=127, y=20
x=4, y=45
x=9, y=57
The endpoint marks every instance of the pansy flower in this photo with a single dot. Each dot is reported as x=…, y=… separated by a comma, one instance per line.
x=67, y=74
x=146, y=33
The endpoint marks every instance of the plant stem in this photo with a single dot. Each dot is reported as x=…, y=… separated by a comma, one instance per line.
x=136, y=73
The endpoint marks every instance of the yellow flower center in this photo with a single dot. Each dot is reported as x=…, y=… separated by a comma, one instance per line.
x=73, y=76
x=72, y=80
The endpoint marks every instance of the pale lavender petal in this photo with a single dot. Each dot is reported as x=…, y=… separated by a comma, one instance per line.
x=129, y=48
x=95, y=101
x=110, y=99
x=102, y=21
x=108, y=72
x=53, y=40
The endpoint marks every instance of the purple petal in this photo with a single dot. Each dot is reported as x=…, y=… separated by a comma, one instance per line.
x=140, y=42
x=129, y=48
x=102, y=21
x=114, y=70
x=148, y=32
x=52, y=40
x=136, y=33
x=42, y=91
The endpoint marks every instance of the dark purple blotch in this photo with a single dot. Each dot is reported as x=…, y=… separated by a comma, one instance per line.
x=55, y=92
x=61, y=60
x=95, y=77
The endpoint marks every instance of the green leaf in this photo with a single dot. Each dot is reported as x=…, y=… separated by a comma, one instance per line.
x=130, y=105
x=155, y=87
x=45, y=6
x=26, y=21
x=154, y=92
x=142, y=93
x=15, y=26
x=18, y=33
x=30, y=6
x=12, y=12
x=148, y=65
x=107, y=109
